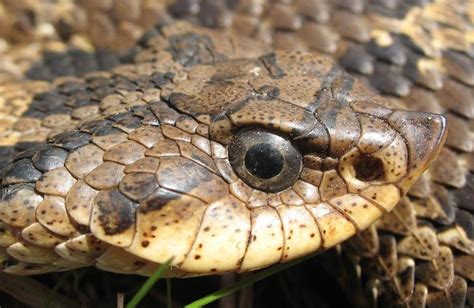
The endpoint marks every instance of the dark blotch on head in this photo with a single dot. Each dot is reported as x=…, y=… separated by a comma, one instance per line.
x=117, y=212
x=270, y=63
x=190, y=49
x=158, y=199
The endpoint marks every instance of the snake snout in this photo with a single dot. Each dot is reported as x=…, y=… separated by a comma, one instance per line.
x=424, y=135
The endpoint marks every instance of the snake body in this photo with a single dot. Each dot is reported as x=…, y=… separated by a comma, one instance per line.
x=125, y=168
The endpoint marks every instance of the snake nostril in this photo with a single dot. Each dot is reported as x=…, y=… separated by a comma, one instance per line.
x=368, y=168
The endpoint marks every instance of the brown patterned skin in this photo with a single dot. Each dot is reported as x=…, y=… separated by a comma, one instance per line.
x=419, y=55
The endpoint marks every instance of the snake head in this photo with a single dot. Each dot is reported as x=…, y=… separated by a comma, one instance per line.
x=314, y=155
x=235, y=166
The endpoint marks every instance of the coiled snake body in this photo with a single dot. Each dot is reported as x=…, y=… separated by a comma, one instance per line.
x=237, y=148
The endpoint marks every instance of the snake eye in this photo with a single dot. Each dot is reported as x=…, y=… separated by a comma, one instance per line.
x=264, y=160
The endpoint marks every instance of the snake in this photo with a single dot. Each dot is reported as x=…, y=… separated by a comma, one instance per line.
x=230, y=136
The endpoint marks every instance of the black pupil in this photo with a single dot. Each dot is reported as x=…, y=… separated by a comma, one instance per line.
x=264, y=161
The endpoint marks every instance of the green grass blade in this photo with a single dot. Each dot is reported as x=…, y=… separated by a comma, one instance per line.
x=149, y=283
x=244, y=283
